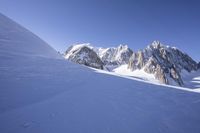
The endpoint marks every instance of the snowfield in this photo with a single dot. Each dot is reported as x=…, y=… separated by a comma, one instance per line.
x=191, y=80
x=141, y=74
x=52, y=95
x=43, y=93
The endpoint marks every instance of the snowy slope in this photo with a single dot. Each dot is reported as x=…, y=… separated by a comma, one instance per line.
x=191, y=80
x=14, y=39
x=141, y=74
x=50, y=95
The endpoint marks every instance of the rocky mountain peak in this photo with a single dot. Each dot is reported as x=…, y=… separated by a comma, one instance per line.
x=114, y=56
x=121, y=47
x=155, y=45
x=110, y=57
x=83, y=54
x=165, y=62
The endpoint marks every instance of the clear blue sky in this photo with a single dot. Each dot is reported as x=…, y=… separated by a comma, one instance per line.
x=110, y=22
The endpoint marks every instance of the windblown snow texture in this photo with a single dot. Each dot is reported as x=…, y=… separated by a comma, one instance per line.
x=16, y=40
x=48, y=95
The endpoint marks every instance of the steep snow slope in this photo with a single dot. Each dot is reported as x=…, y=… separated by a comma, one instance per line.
x=48, y=95
x=18, y=40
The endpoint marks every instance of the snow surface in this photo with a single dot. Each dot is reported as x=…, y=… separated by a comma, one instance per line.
x=15, y=40
x=51, y=95
x=147, y=78
x=191, y=80
x=141, y=74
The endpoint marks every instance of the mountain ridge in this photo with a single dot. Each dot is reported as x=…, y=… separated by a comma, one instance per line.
x=48, y=95
x=165, y=62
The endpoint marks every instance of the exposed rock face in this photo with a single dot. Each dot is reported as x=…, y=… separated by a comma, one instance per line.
x=199, y=65
x=84, y=55
x=166, y=63
x=99, y=57
x=115, y=56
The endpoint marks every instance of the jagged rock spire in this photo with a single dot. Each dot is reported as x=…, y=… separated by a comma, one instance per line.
x=165, y=62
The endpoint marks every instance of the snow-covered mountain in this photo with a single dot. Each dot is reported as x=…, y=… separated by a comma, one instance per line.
x=115, y=56
x=165, y=62
x=95, y=57
x=84, y=54
x=43, y=93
